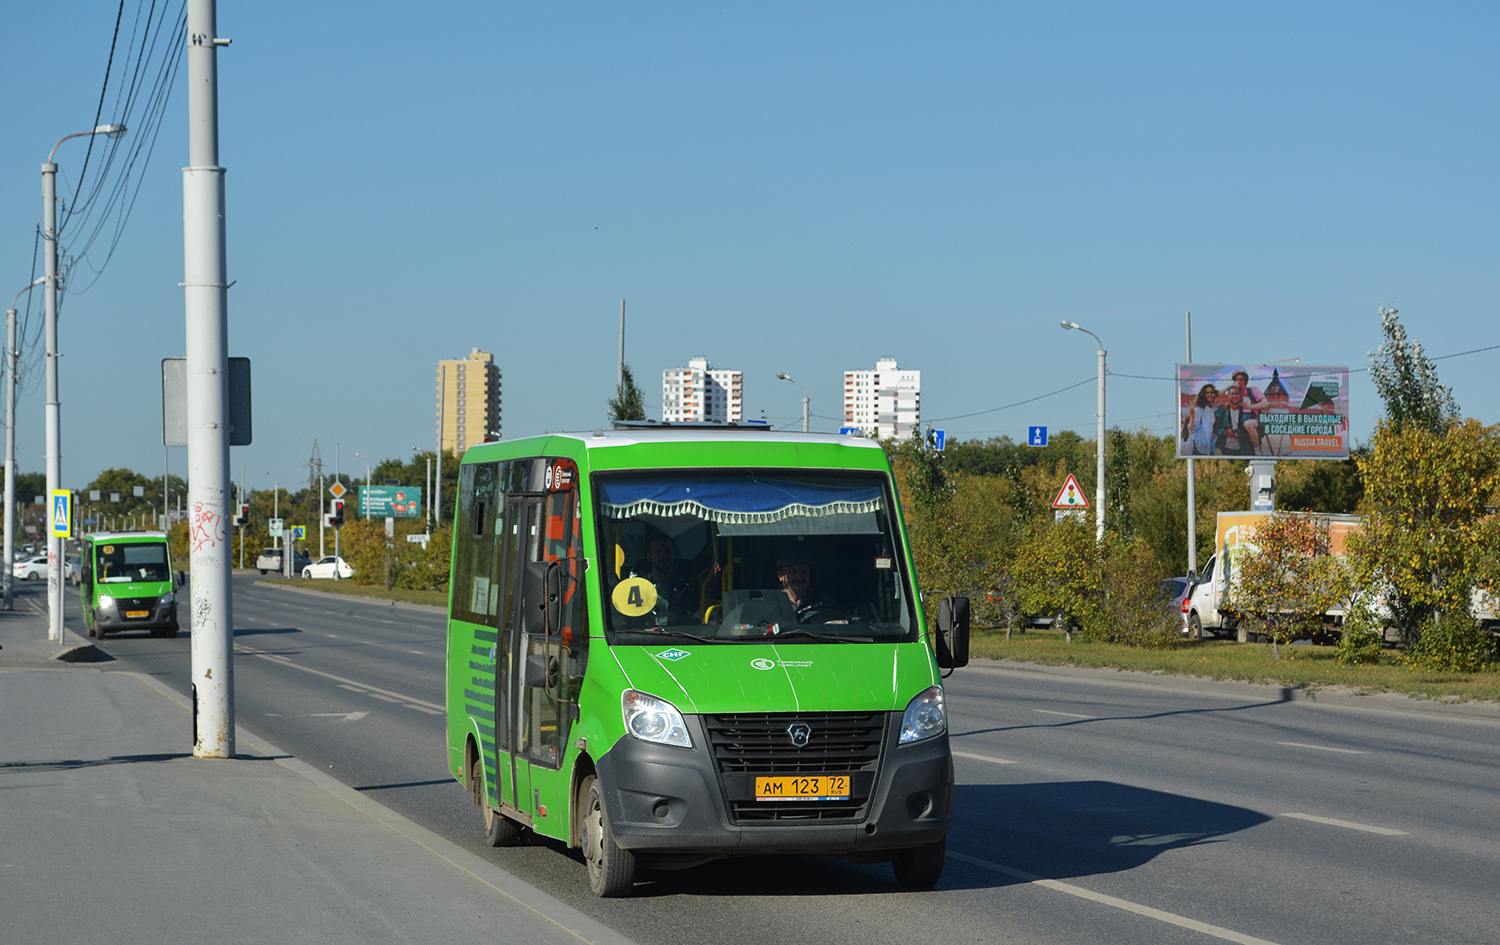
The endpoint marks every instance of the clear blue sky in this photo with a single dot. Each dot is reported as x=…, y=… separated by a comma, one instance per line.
x=777, y=187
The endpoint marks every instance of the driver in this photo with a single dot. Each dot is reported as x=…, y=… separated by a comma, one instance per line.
x=794, y=573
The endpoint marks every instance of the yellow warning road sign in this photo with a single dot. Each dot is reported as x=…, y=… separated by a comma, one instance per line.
x=1070, y=496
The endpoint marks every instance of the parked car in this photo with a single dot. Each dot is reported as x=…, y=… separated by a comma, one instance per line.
x=270, y=560
x=33, y=568
x=71, y=569
x=331, y=566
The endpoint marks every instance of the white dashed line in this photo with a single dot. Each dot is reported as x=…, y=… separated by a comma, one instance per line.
x=1342, y=751
x=1386, y=831
x=1171, y=918
x=993, y=761
x=1067, y=715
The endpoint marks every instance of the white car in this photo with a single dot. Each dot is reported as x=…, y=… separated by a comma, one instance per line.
x=30, y=569
x=330, y=567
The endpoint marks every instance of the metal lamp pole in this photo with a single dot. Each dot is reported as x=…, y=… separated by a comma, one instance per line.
x=10, y=444
x=54, y=431
x=1099, y=484
x=784, y=377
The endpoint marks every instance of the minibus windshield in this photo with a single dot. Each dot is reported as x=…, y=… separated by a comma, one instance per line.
x=124, y=563
x=752, y=556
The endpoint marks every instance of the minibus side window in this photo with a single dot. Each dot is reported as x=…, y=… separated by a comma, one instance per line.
x=475, y=596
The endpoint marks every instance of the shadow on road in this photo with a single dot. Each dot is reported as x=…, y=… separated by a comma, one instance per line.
x=1067, y=829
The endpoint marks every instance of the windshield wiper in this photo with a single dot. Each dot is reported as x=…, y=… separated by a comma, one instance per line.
x=823, y=637
x=665, y=632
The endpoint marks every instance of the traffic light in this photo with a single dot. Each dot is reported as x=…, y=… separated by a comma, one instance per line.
x=243, y=518
x=336, y=517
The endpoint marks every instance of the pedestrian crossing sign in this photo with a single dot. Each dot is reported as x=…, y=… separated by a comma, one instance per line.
x=1070, y=496
x=62, y=513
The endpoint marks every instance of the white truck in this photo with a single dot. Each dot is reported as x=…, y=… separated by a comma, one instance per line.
x=1208, y=609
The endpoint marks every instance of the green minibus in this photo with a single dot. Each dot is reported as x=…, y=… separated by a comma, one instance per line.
x=126, y=582
x=669, y=644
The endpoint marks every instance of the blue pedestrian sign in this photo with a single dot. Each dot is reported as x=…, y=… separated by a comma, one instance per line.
x=848, y=431
x=938, y=438
x=1036, y=436
x=62, y=513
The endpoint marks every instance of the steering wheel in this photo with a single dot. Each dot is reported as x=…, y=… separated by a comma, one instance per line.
x=824, y=613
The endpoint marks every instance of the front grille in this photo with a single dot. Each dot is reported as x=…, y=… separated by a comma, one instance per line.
x=745, y=745
x=125, y=604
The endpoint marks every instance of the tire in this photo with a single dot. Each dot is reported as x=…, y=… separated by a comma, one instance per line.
x=921, y=867
x=170, y=632
x=611, y=869
x=91, y=630
x=307, y=574
x=261, y=570
x=1195, y=626
x=499, y=830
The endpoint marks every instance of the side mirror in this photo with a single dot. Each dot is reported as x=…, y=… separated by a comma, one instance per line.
x=542, y=672
x=953, y=632
x=534, y=598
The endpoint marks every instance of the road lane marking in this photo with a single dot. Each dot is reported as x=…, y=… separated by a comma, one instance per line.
x=1347, y=823
x=1068, y=715
x=1171, y=918
x=345, y=682
x=1342, y=751
x=346, y=716
x=994, y=761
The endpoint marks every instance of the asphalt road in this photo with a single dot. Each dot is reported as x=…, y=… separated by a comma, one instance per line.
x=1089, y=810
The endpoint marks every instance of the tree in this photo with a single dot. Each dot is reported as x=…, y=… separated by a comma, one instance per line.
x=1408, y=382
x=1426, y=532
x=628, y=403
x=1288, y=579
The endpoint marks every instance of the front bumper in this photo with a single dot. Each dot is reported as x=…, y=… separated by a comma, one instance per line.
x=676, y=807
x=151, y=614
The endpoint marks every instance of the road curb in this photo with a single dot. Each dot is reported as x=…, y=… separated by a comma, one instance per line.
x=1332, y=696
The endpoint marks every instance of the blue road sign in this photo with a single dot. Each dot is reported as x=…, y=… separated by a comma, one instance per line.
x=62, y=513
x=1036, y=436
x=848, y=431
x=939, y=438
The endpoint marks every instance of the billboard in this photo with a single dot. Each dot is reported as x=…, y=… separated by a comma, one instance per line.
x=1273, y=411
x=390, y=501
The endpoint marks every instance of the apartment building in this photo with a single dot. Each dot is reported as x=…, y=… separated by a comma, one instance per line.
x=468, y=392
x=884, y=402
x=699, y=392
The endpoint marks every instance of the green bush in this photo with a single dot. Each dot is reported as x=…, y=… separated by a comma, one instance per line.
x=1452, y=645
x=1364, y=632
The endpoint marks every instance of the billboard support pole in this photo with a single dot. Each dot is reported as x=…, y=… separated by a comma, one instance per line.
x=1192, y=481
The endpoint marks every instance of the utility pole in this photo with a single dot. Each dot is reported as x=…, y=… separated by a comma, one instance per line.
x=620, y=368
x=207, y=394
x=11, y=354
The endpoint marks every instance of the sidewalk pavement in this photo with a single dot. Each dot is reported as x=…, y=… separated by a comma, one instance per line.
x=111, y=831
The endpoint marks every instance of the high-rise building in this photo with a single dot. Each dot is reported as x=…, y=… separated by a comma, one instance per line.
x=468, y=392
x=699, y=392
x=885, y=402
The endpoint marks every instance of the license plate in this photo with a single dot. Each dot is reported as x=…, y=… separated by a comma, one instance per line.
x=813, y=787
x=137, y=613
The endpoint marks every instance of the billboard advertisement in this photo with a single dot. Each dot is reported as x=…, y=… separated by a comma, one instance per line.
x=390, y=501
x=1273, y=411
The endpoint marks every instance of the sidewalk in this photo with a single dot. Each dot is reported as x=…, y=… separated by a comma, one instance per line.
x=111, y=831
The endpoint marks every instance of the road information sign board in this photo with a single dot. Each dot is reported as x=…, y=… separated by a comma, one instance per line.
x=1036, y=436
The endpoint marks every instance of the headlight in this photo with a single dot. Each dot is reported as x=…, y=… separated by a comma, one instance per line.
x=168, y=598
x=925, y=716
x=106, y=601
x=654, y=720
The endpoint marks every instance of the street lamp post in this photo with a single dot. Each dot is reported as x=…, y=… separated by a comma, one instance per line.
x=784, y=377
x=425, y=485
x=11, y=354
x=1099, y=482
x=54, y=431
x=366, y=497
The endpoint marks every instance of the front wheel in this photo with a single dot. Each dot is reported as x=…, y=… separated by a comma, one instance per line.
x=1195, y=626
x=922, y=867
x=307, y=574
x=611, y=869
